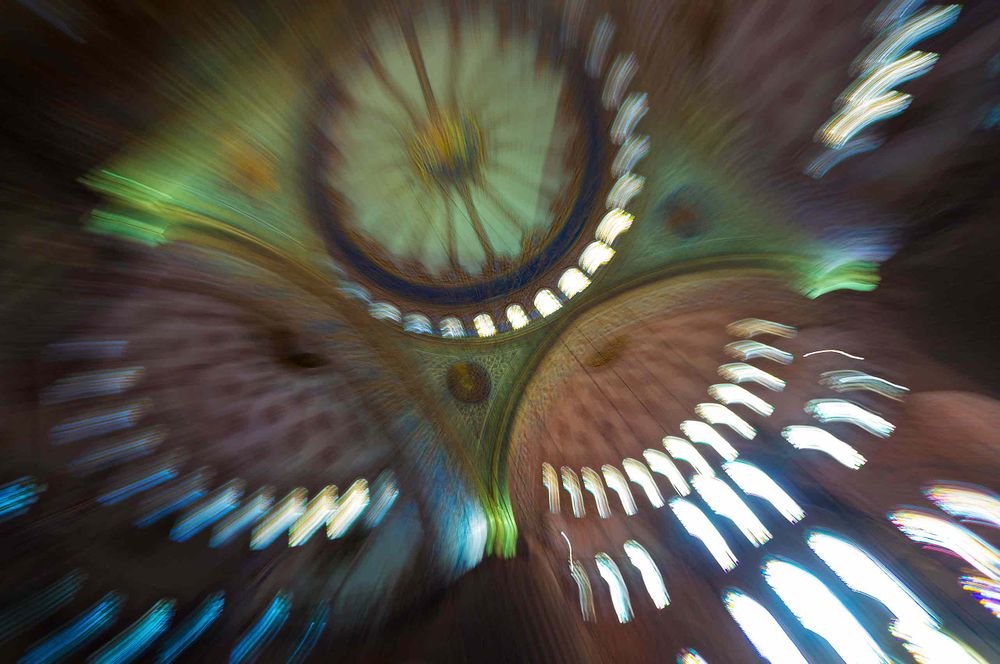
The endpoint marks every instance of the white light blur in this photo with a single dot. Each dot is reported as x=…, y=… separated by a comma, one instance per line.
x=595, y=255
x=584, y=591
x=516, y=316
x=888, y=75
x=384, y=311
x=813, y=438
x=616, y=586
x=624, y=190
x=847, y=380
x=729, y=394
x=938, y=533
x=639, y=473
x=987, y=592
x=905, y=35
x=484, y=325
x=928, y=645
x=592, y=483
x=571, y=483
x=843, y=126
x=651, y=576
x=597, y=51
x=761, y=629
x=547, y=303
x=550, y=480
x=629, y=154
x=755, y=482
x=832, y=350
x=451, y=328
x=722, y=500
x=821, y=612
x=279, y=519
x=890, y=13
x=349, y=508
x=752, y=327
x=315, y=516
x=749, y=350
x=614, y=223
x=838, y=410
x=703, y=434
x=660, y=463
x=573, y=282
x=967, y=502
x=682, y=450
x=617, y=483
x=740, y=372
x=715, y=413
x=700, y=527
x=864, y=574
x=632, y=110
x=417, y=324
x=690, y=656
x=619, y=76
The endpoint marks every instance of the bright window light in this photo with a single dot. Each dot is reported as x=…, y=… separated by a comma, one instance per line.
x=929, y=646
x=516, y=316
x=715, y=413
x=624, y=190
x=384, y=311
x=660, y=463
x=682, y=450
x=315, y=516
x=550, y=480
x=755, y=482
x=749, y=350
x=592, y=483
x=595, y=255
x=571, y=483
x=349, y=508
x=698, y=526
x=740, y=372
x=616, y=586
x=547, y=303
x=813, y=438
x=639, y=473
x=968, y=502
x=838, y=410
x=703, y=434
x=573, y=282
x=722, y=500
x=279, y=519
x=761, y=629
x=631, y=153
x=584, y=591
x=452, y=328
x=936, y=532
x=417, y=324
x=729, y=394
x=632, y=110
x=613, y=224
x=616, y=482
x=752, y=327
x=651, y=576
x=848, y=380
x=484, y=325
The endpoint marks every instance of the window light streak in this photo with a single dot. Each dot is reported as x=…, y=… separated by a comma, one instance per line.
x=660, y=463
x=848, y=380
x=761, y=629
x=218, y=504
x=888, y=75
x=722, y=500
x=616, y=586
x=546, y=303
x=752, y=327
x=966, y=502
x=703, y=434
x=629, y=154
x=682, y=450
x=314, y=517
x=550, y=480
x=252, y=511
x=639, y=473
x=614, y=223
x=279, y=519
x=749, y=350
x=690, y=656
x=385, y=495
x=821, y=612
x=484, y=325
x=417, y=324
x=143, y=478
x=99, y=423
x=384, y=311
x=616, y=482
x=129, y=448
x=833, y=350
x=349, y=508
x=929, y=646
x=838, y=410
x=813, y=438
x=624, y=190
x=62, y=643
x=310, y=637
x=901, y=38
x=651, y=576
x=864, y=574
x=623, y=69
x=717, y=414
x=517, y=317
x=755, y=482
x=355, y=292
x=573, y=282
x=91, y=384
x=740, y=372
x=571, y=483
x=843, y=126
x=892, y=12
x=729, y=394
x=700, y=527
x=829, y=159
x=632, y=110
x=451, y=328
x=986, y=591
x=192, y=628
x=174, y=498
x=595, y=255
x=592, y=483
x=38, y=606
x=136, y=639
x=18, y=496
x=597, y=51
x=939, y=534
x=585, y=592
x=260, y=634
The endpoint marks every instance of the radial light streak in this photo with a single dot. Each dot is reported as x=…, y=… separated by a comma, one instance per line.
x=703, y=434
x=939, y=534
x=700, y=527
x=384, y=311
x=632, y=110
x=928, y=645
x=843, y=126
x=192, y=628
x=821, y=612
x=571, y=483
x=902, y=37
x=315, y=516
x=838, y=410
x=624, y=190
x=660, y=463
x=755, y=482
x=279, y=519
x=722, y=500
x=99, y=423
x=592, y=483
x=252, y=511
x=749, y=350
x=813, y=438
x=18, y=496
x=600, y=39
x=752, y=327
x=142, y=478
x=550, y=480
x=385, y=495
x=761, y=629
x=87, y=626
x=729, y=394
x=451, y=328
x=740, y=372
x=848, y=380
x=616, y=586
x=639, y=473
x=651, y=576
x=174, y=498
x=517, y=317
x=584, y=591
x=218, y=504
x=573, y=282
x=260, y=634
x=613, y=224
x=349, y=508
x=967, y=502
x=616, y=482
x=132, y=642
x=714, y=413
x=888, y=75
x=103, y=383
x=623, y=69
x=986, y=591
x=682, y=450
x=629, y=154
x=546, y=303
x=415, y=323
x=595, y=255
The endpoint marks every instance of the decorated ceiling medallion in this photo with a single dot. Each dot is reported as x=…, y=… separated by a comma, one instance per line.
x=468, y=382
x=458, y=155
